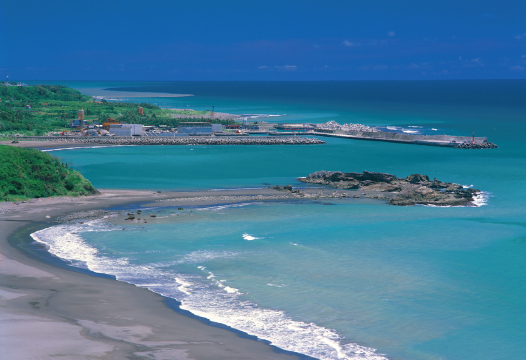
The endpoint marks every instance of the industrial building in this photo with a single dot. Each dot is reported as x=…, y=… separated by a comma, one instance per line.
x=126, y=129
x=198, y=128
x=91, y=132
x=294, y=127
x=217, y=128
x=78, y=123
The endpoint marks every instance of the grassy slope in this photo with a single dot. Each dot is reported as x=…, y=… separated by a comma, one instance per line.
x=29, y=173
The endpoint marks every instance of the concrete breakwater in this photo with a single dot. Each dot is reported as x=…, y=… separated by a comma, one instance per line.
x=253, y=140
x=463, y=142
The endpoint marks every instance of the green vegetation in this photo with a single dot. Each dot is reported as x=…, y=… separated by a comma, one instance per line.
x=29, y=173
x=53, y=107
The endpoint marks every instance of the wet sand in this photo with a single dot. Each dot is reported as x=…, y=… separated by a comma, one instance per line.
x=51, y=312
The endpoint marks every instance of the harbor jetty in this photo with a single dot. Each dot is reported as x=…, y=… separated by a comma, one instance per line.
x=371, y=133
x=460, y=142
x=185, y=140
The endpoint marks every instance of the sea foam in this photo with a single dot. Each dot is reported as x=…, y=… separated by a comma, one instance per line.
x=249, y=237
x=83, y=147
x=204, y=296
x=481, y=199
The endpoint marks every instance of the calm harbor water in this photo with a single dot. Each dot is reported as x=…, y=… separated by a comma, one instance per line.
x=334, y=279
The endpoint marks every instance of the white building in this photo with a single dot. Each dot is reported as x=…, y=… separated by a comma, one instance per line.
x=217, y=128
x=126, y=129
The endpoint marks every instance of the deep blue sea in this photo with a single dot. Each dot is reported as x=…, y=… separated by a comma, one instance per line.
x=332, y=279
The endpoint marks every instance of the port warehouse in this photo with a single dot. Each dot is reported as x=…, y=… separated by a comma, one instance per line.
x=198, y=128
x=126, y=129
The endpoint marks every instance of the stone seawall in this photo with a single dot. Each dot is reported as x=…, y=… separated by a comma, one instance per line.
x=114, y=140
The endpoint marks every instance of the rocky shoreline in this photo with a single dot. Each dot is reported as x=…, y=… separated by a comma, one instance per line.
x=487, y=145
x=415, y=189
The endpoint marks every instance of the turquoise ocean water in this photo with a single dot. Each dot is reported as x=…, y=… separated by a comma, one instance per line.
x=335, y=279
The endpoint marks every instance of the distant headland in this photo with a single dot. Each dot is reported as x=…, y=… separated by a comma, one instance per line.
x=55, y=112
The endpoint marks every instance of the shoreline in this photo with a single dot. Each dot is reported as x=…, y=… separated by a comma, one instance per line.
x=164, y=140
x=89, y=316
x=102, y=315
x=55, y=145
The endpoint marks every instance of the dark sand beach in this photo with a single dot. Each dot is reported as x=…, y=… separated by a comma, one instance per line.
x=53, y=312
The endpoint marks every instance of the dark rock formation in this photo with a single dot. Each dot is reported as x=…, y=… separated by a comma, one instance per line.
x=349, y=180
x=486, y=145
x=285, y=188
x=417, y=178
x=414, y=189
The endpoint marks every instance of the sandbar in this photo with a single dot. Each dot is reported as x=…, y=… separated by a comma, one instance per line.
x=106, y=93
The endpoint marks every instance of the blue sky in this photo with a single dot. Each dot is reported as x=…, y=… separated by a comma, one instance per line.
x=262, y=40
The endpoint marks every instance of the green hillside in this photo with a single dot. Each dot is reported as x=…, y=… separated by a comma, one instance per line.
x=29, y=173
x=38, y=92
x=40, y=109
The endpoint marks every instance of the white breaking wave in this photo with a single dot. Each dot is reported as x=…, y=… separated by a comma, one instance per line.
x=208, y=298
x=183, y=286
x=199, y=256
x=410, y=131
x=481, y=199
x=243, y=188
x=221, y=207
x=64, y=242
x=83, y=147
x=249, y=237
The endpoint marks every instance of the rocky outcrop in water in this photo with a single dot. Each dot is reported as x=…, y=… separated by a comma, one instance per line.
x=285, y=188
x=414, y=189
